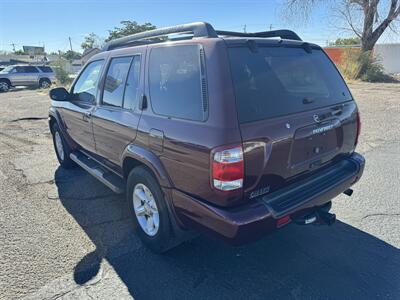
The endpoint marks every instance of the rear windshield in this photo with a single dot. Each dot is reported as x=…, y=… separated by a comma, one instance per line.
x=275, y=81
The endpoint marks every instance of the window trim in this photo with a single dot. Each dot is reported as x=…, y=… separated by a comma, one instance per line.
x=200, y=46
x=71, y=90
x=101, y=103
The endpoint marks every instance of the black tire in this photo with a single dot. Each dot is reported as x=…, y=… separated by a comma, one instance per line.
x=4, y=85
x=165, y=238
x=64, y=160
x=44, y=83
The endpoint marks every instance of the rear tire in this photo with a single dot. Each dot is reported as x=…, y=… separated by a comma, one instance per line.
x=61, y=148
x=149, y=212
x=4, y=85
x=44, y=83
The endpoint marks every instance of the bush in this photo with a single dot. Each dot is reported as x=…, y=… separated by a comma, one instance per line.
x=62, y=76
x=362, y=65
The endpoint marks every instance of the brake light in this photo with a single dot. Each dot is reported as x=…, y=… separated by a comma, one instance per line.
x=358, y=128
x=228, y=169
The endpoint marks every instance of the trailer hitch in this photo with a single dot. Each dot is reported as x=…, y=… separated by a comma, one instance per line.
x=319, y=217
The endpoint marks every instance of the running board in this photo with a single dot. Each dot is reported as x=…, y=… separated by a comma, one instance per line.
x=108, y=178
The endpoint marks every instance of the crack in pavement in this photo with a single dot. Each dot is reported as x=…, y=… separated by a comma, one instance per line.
x=380, y=214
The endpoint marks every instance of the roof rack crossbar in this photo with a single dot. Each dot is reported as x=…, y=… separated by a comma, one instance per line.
x=199, y=29
x=282, y=33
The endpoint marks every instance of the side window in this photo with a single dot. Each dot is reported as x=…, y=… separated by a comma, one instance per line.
x=30, y=69
x=115, y=81
x=176, y=80
x=19, y=69
x=85, y=86
x=45, y=69
x=132, y=84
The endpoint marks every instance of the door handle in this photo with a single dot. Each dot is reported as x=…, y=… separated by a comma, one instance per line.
x=86, y=116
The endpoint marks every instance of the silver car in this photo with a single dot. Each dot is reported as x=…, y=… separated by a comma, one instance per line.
x=40, y=76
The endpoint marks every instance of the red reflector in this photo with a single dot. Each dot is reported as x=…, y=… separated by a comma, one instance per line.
x=228, y=171
x=282, y=221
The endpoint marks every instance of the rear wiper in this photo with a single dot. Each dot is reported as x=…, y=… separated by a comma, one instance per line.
x=308, y=101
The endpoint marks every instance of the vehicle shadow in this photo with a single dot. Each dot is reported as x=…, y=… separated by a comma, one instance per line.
x=338, y=262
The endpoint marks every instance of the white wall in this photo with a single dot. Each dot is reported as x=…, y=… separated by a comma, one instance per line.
x=389, y=56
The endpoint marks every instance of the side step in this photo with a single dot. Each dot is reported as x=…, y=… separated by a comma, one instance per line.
x=111, y=180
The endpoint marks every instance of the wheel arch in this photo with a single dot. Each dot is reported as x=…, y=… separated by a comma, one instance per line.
x=137, y=156
x=6, y=80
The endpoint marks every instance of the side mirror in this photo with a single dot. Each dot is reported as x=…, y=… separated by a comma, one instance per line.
x=59, y=94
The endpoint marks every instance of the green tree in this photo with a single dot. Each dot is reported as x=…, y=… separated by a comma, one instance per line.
x=128, y=28
x=71, y=55
x=347, y=41
x=92, y=40
x=19, y=52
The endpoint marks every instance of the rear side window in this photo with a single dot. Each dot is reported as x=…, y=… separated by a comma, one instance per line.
x=275, y=81
x=30, y=69
x=45, y=69
x=132, y=84
x=115, y=81
x=177, y=82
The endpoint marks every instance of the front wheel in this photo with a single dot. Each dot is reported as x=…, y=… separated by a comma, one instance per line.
x=61, y=148
x=4, y=86
x=149, y=211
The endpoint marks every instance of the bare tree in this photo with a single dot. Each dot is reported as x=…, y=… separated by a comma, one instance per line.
x=362, y=17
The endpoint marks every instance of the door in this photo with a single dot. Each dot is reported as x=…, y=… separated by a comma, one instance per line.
x=31, y=75
x=18, y=76
x=76, y=114
x=116, y=117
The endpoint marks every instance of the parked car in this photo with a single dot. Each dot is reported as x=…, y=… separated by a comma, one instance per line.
x=40, y=76
x=227, y=133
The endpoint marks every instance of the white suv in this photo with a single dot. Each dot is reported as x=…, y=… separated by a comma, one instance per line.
x=40, y=76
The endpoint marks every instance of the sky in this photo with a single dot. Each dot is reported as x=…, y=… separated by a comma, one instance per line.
x=52, y=22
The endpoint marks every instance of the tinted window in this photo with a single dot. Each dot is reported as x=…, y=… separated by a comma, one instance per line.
x=87, y=81
x=30, y=69
x=278, y=81
x=115, y=81
x=45, y=69
x=175, y=82
x=132, y=84
x=19, y=69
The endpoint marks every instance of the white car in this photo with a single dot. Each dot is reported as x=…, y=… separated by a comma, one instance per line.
x=25, y=75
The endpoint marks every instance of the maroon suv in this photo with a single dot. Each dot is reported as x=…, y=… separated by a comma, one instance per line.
x=233, y=134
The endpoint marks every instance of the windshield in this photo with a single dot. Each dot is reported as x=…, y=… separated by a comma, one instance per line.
x=275, y=81
x=7, y=69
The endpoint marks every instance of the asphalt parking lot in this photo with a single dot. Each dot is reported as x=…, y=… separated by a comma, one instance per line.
x=64, y=235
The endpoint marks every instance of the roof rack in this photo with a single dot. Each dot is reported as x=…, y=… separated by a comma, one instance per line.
x=282, y=33
x=198, y=29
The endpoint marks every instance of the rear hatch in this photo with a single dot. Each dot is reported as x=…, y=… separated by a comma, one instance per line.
x=296, y=114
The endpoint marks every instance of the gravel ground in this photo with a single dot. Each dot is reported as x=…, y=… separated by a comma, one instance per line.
x=64, y=235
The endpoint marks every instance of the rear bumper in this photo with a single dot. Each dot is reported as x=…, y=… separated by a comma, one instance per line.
x=253, y=220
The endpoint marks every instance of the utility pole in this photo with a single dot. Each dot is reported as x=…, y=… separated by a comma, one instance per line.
x=244, y=28
x=270, y=27
x=70, y=43
x=13, y=45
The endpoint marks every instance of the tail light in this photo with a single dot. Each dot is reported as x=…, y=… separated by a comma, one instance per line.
x=227, y=168
x=358, y=128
